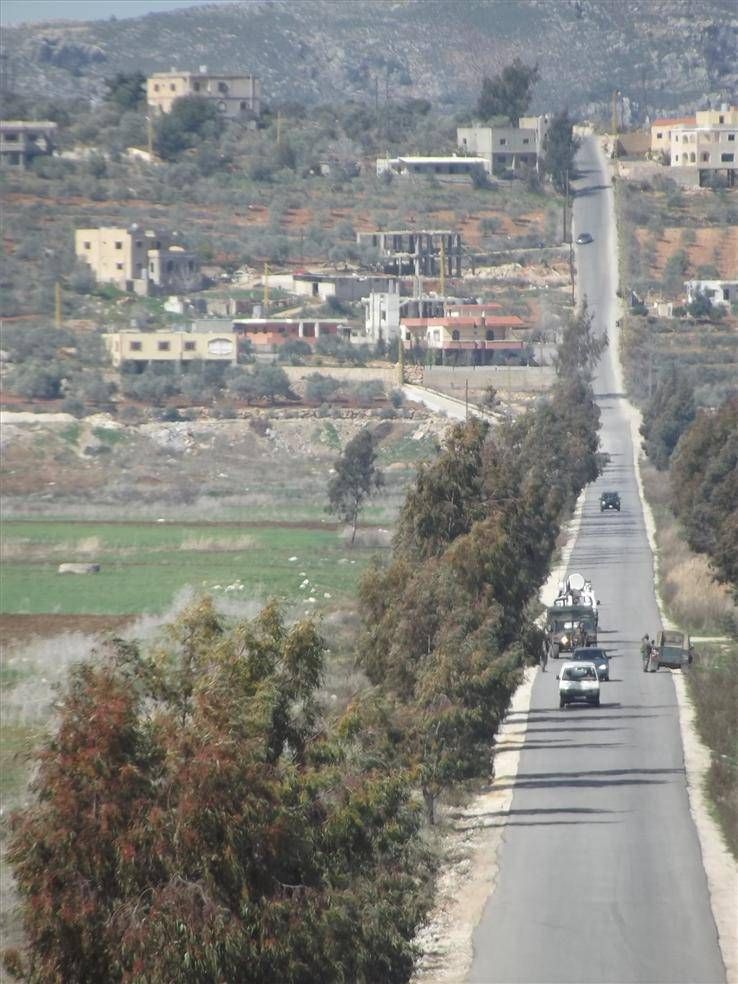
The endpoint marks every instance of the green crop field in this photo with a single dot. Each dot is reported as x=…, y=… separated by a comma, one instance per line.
x=144, y=565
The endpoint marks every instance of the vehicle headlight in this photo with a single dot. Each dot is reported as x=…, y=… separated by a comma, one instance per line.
x=564, y=638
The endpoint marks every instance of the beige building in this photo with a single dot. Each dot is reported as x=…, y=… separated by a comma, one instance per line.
x=236, y=97
x=663, y=130
x=21, y=141
x=144, y=261
x=505, y=147
x=708, y=148
x=143, y=348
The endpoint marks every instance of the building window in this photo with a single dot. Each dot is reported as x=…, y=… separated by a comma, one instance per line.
x=151, y=267
x=138, y=244
x=659, y=136
x=196, y=86
x=727, y=158
x=489, y=335
x=731, y=136
x=691, y=157
x=222, y=87
x=118, y=266
x=455, y=336
x=189, y=346
x=119, y=245
x=503, y=141
x=87, y=245
x=244, y=104
x=172, y=87
x=135, y=346
x=163, y=346
x=721, y=119
x=726, y=294
x=705, y=158
x=526, y=140
x=156, y=87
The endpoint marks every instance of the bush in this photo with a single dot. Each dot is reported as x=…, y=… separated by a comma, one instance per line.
x=73, y=405
x=150, y=386
x=321, y=389
x=368, y=391
x=396, y=398
x=37, y=382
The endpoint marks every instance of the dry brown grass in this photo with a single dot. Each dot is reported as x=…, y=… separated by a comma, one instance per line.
x=692, y=596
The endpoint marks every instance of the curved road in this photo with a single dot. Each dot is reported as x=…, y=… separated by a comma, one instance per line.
x=600, y=873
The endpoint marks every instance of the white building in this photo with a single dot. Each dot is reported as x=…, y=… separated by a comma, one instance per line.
x=505, y=147
x=724, y=292
x=454, y=167
x=708, y=148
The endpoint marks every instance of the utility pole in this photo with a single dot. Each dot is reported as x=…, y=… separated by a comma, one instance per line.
x=265, y=299
x=57, y=305
x=614, y=122
x=150, y=137
x=443, y=268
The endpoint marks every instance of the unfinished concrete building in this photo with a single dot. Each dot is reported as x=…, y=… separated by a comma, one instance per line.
x=416, y=252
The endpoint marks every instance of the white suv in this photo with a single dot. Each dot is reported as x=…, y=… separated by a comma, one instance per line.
x=578, y=682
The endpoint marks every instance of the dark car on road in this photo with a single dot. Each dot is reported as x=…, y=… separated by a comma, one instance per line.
x=609, y=500
x=584, y=237
x=597, y=656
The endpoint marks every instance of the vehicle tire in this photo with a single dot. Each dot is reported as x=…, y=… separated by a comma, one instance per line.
x=596, y=702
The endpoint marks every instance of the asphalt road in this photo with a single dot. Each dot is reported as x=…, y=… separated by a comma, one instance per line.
x=600, y=874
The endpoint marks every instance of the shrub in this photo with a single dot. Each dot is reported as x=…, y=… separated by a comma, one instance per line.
x=37, y=382
x=368, y=390
x=321, y=389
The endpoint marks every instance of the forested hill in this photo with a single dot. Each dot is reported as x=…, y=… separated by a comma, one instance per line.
x=661, y=53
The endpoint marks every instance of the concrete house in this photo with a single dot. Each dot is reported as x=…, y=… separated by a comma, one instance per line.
x=142, y=348
x=236, y=97
x=269, y=334
x=708, y=148
x=503, y=148
x=662, y=128
x=21, y=141
x=474, y=339
x=322, y=286
x=723, y=292
x=144, y=261
x=416, y=252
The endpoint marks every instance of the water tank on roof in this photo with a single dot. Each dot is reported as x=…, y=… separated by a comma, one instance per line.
x=575, y=582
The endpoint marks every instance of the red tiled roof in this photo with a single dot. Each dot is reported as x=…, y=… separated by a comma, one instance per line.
x=666, y=121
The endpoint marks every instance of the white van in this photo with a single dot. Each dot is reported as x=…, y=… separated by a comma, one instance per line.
x=578, y=682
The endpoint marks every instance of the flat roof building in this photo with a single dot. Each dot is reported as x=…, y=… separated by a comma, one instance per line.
x=142, y=348
x=144, y=261
x=235, y=96
x=505, y=148
x=449, y=167
x=22, y=140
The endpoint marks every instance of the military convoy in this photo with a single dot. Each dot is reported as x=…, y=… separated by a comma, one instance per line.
x=571, y=622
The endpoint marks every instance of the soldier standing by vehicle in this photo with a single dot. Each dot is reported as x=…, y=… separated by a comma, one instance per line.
x=543, y=659
x=645, y=651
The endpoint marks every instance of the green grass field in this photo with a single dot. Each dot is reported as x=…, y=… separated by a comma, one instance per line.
x=144, y=565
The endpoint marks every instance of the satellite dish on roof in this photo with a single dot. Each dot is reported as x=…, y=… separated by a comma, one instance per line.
x=575, y=582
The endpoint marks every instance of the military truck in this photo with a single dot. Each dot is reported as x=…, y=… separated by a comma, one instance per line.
x=571, y=627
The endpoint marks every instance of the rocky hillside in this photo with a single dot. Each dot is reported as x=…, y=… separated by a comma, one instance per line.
x=661, y=54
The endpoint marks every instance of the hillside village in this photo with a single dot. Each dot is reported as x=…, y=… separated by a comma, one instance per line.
x=469, y=294
x=328, y=349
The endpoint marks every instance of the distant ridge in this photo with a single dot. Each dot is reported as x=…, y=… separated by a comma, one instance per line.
x=661, y=54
